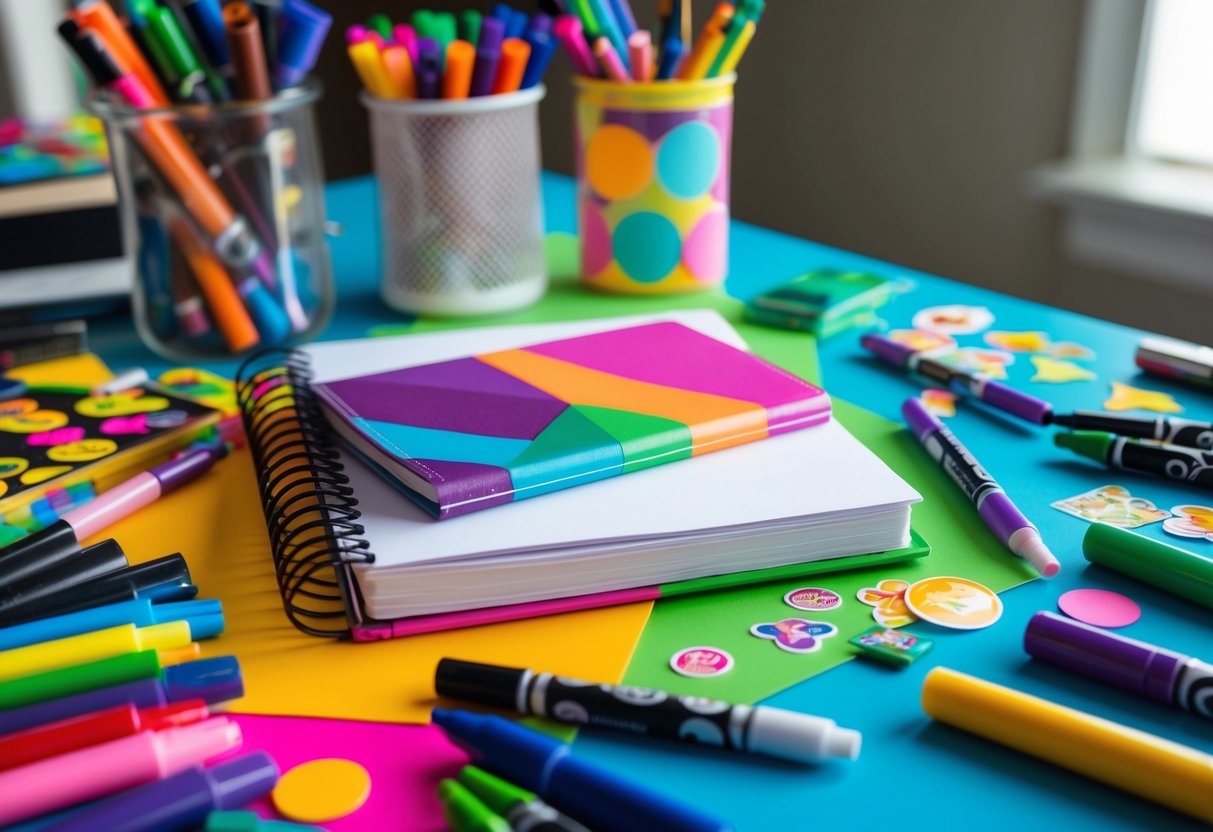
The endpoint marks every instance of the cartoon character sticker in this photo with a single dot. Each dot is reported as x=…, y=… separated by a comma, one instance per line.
x=956, y=603
x=795, y=635
x=1114, y=505
x=955, y=319
x=12, y=466
x=701, y=662
x=1190, y=521
x=888, y=599
x=123, y=403
x=813, y=599
x=33, y=421
x=86, y=450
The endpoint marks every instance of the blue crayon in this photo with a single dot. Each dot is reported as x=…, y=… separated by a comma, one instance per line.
x=598, y=798
x=205, y=619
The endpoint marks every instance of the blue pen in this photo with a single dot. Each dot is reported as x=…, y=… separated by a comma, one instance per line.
x=205, y=619
x=211, y=680
x=304, y=28
x=429, y=67
x=598, y=798
x=671, y=56
x=206, y=16
x=543, y=47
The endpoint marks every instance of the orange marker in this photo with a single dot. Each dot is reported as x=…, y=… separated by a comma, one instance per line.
x=515, y=52
x=221, y=296
x=711, y=38
x=98, y=17
x=457, y=79
x=399, y=68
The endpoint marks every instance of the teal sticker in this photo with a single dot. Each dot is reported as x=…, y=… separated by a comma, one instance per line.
x=647, y=246
x=688, y=161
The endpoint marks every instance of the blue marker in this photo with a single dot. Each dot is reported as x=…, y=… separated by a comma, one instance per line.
x=304, y=28
x=206, y=16
x=543, y=47
x=598, y=798
x=623, y=16
x=671, y=56
x=205, y=619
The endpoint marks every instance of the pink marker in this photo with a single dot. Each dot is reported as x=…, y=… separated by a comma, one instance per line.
x=356, y=34
x=640, y=53
x=609, y=60
x=406, y=36
x=570, y=33
x=100, y=770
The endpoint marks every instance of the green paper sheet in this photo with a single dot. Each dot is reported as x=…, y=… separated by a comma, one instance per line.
x=567, y=300
x=961, y=546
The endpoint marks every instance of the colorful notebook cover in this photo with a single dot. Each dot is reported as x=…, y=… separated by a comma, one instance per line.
x=489, y=429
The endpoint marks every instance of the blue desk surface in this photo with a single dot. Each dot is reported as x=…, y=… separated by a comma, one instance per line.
x=912, y=773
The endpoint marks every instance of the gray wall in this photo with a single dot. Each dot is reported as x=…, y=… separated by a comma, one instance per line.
x=903, y=129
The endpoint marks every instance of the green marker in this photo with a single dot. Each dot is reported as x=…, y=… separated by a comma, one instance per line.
x=1172, y=461
x=251, y=822
x=747, y=10
x=141, y=11
x=162, y=27
x=520, y=808
x=445, y=30
x=469, y=26
x=465, y=812
x=381, y=24
x=1159, y=564
x=80, y=678
x=424, y=24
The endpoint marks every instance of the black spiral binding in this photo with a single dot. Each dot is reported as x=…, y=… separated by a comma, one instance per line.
x=310, y=510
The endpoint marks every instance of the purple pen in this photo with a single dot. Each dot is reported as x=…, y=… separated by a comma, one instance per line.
x=1151, y=672
x=995, y=507
x=213, y=680
x=181, y=801
x=488, y=55
x=1006, y=399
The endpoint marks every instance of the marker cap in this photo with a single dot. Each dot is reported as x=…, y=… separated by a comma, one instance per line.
x=41, y=550
x=304, y=28
x=484, y=684
x=886, y=349
x=212, y=680
x=795, y=736
x=241, y=781
x=1176, y=570
x=37, y=590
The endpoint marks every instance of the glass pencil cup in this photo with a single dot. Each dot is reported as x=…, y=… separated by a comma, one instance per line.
x=653, y=183
x=222, y=207
x=460, y=202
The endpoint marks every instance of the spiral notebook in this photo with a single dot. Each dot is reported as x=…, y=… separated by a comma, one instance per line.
x=355, y=558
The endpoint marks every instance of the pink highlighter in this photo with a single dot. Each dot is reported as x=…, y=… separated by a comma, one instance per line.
x=100, y=770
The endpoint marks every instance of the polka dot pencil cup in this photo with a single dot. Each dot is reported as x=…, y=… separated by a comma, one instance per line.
x=653, y=184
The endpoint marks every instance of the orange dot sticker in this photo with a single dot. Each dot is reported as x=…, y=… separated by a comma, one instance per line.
x=322, y=790
x=956, y=603
x=86, y=450
x=619, y=162
x=11, y=466
x=35, y=421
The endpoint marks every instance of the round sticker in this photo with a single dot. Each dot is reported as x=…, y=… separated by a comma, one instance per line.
x=322, y=790
x=11, y=466
x=957, y=603
x=15, y=407
x=1099, y=607
x=813, y=598
x=46, y=472
x=701, y=662
x=126, y=403
x=86, y=450
x=35, y=421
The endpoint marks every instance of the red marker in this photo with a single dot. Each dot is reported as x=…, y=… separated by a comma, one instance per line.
x=78, y=732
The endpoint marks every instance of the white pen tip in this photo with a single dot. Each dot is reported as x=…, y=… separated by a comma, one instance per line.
x=1034, y=551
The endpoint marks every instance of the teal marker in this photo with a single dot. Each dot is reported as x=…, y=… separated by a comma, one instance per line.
x=465, y=812
x=520, y=808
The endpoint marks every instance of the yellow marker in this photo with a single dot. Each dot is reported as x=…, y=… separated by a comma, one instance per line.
x=102, y=644
x=322, y=790
x=368, y=63
x=739, y=47
x=711, y=38
x=1134, y=761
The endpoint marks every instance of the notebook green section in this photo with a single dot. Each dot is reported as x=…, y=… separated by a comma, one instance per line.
x=960, y=546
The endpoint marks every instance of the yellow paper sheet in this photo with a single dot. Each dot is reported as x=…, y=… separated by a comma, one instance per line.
x=216, y=522
x=84, y=369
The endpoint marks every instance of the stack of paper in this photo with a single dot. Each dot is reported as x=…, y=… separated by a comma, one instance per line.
x=807, y=495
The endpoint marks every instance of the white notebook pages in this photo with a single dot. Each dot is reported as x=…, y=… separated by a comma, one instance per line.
x=807, y=495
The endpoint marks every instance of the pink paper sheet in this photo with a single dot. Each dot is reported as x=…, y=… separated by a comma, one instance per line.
x=405, y=763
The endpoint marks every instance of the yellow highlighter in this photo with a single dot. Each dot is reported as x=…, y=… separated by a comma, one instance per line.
x=65, y=652
x=368, y=63
x=1134, y=761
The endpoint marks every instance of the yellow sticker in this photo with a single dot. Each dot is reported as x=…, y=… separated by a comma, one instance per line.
x=11, y=466
x=15, y=407
x=1125, y=397
x=124, y=403
x=957, y=603
x=888, y=598
x=86, y=450
x=322, y=790
x=1056, y=371
x=1034, y=341
x=47, y=472
x=35, y=421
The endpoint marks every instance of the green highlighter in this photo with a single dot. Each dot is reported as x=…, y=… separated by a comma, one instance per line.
x=80, y=678
x=1167, y=567
x=381, y=24
x=823, y=302
x=520, y=808
x=465, y=812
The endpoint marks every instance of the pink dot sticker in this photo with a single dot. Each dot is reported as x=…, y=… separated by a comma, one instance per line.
x=706, y=251
x=1099, y=607
x=596, y=251
x=701, y=662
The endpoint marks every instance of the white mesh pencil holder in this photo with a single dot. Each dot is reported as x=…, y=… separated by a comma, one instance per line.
x=460, y=206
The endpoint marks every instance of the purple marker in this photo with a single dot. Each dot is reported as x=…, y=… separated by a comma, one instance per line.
x=429, y=67
x=488, y=55
x=213, y=680
x=182, y=801
x=1006, y=399
x=1153, y=673
x=993, y=504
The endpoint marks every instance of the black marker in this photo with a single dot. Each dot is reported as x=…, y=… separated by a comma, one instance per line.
x=1187, y=432
x=653, y=713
